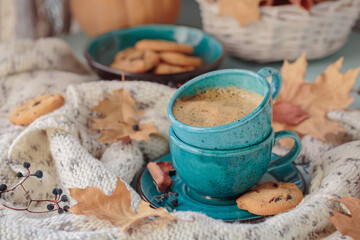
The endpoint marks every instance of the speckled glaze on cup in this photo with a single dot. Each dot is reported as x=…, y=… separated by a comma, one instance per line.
x=225, y=174
x=247, y=131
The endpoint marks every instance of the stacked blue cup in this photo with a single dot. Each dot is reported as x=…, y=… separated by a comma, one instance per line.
x=223, y=162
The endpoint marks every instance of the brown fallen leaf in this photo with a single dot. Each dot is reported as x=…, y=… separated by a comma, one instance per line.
x=329, y=92
x=348, y=225
x=290, y=114
x=293, y=75
x=121, y=132
x=119, y=104
x=116, y=208
x=160, y=175
x=118, y=119
x=245, y=11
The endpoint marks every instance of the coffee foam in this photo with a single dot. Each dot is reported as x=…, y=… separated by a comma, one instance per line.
x=216, y=106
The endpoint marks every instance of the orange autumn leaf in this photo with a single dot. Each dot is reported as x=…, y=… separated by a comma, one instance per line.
x=348, y=225
x=116, y=208
x=118, y=119
x=120, y=104
x=245, y=11
x=330, y=91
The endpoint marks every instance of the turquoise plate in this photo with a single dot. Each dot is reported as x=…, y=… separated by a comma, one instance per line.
x=227, y=212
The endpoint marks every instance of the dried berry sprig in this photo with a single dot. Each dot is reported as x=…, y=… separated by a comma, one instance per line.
x=168, y=195
x=53, y=203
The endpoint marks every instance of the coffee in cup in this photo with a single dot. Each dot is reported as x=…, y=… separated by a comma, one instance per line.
x=216, y=106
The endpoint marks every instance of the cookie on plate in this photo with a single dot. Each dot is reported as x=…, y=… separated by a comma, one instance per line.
x=136, y=61
x=162, y=45
x=123, y=54
x=27, y=112
x=164, y=68
x=270, y=198
x=180, y=59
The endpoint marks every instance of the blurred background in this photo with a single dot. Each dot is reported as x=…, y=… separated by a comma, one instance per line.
x=284, y=29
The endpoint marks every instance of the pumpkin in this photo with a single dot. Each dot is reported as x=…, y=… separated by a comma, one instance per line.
x=99, y=16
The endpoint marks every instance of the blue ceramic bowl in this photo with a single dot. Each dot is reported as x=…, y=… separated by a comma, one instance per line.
x=101, y=51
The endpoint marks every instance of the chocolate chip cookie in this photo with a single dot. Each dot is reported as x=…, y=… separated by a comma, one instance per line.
x=27, y=112
x=122, y=55
x=136, y=61
x=164, y=68
x=180, y=59
x=162, y=45
x=270, y=198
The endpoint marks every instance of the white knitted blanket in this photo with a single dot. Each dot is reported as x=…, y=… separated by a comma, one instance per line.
x=62, y=146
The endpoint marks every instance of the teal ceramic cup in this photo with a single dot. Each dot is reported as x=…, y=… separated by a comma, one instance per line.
x=226, y=174
x=247, y=131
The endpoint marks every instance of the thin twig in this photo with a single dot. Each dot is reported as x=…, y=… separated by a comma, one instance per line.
x=55, y=201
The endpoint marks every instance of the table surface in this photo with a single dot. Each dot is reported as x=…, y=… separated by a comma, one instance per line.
x=190, y=16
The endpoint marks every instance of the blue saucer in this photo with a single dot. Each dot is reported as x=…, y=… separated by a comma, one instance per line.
x=227, y=212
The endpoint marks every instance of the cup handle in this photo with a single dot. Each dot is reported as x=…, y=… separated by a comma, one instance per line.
x=291, y=155
x=276, y=80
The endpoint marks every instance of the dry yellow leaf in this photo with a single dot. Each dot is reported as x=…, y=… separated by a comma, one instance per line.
x=118, y=119
x=119, y=104
x=329, y=92
x=116, y=208
x=122, y=131
x=293, y=75
x=348, y=225
x=245, y=11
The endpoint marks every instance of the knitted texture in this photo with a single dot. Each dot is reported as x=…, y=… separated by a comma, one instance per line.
x=62, y=145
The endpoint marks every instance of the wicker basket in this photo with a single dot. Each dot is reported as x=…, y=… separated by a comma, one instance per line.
x=284, y=32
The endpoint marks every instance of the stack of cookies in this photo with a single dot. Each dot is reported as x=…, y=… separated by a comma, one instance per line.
x=156, y=56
